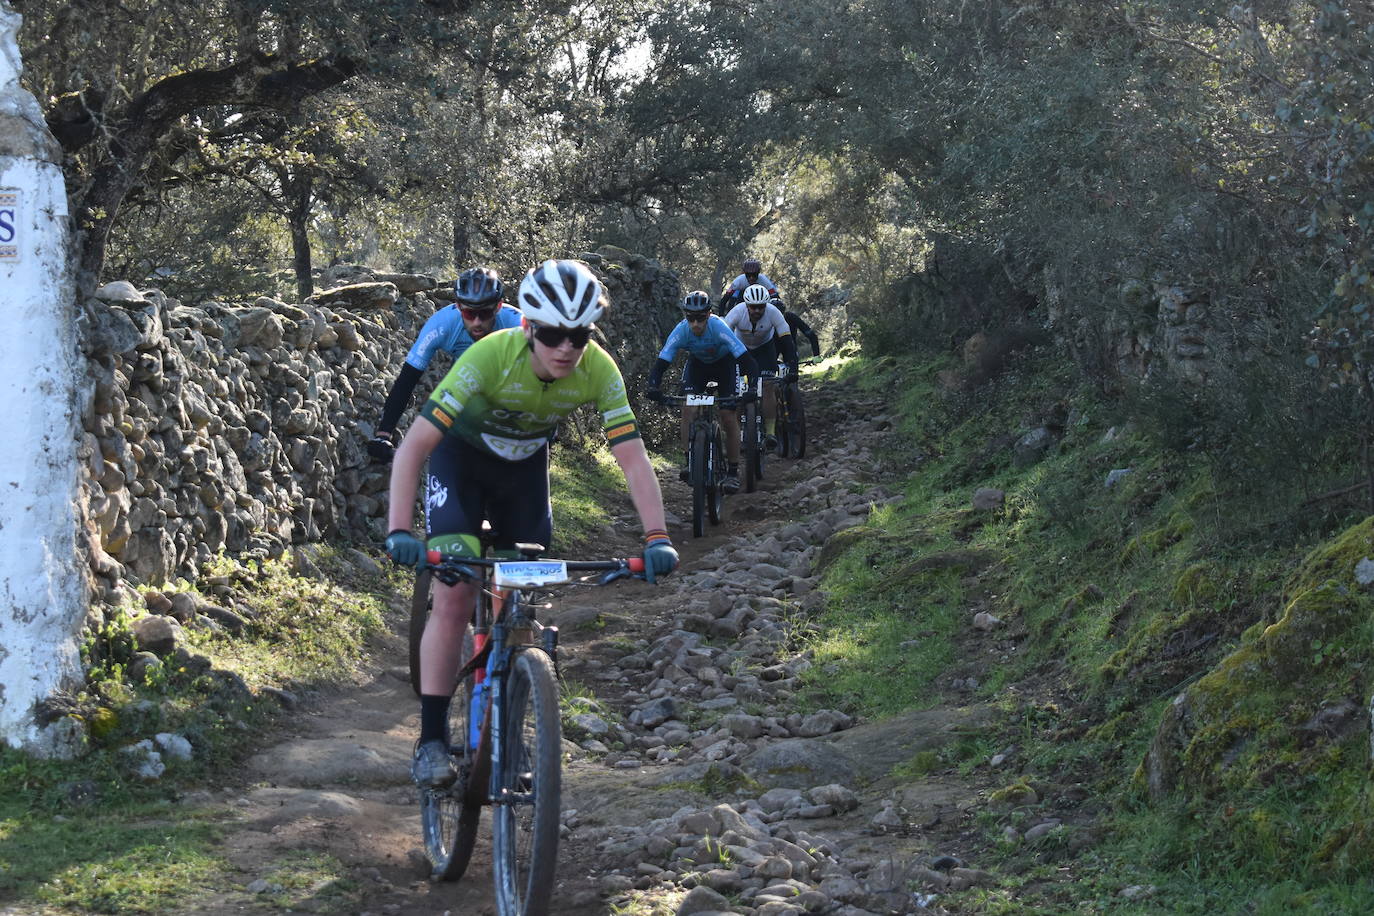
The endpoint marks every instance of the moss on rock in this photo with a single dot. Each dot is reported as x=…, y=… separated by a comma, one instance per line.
x=1245, y=727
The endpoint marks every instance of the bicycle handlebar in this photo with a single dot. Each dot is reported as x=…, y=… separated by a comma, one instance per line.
x=460, y=566
x=680, y=400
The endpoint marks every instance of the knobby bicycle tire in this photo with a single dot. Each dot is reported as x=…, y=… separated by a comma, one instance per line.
x=784, y=421
x=760, y=444
x=751, y=447
x=700, y=480
x=525, y=818
x=449, y=817
x=796, y=421
x=419, y=616
x=715, y=492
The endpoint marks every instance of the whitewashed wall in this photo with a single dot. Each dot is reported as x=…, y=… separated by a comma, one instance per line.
x=42, y=592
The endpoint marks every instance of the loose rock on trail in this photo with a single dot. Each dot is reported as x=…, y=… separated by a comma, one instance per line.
x=692, y=784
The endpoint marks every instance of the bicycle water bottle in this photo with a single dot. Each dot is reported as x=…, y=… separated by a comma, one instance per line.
x=477, y=705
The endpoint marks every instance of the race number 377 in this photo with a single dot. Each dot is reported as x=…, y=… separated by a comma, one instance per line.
x=9, y=224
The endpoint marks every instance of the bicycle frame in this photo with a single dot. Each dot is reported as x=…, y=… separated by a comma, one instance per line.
x=518, y=776
x=705, y=447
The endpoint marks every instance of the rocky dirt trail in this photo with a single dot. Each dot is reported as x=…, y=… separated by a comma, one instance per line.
x=692, y=785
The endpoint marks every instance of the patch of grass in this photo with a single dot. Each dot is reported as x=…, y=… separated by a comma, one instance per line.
x=716, y=783
x=581, y=487
x=327, y=627
x=657, y=902
x=311, y=881
x=883, y=638
x=88, y=834
x=128, y=849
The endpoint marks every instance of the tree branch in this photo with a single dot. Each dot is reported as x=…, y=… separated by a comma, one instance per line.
x=259, y=81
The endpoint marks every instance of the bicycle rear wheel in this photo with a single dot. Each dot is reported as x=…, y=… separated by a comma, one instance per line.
x=752, y=437
x=784, y=422
x=419, y=616
x=525, y=816
x=796, y=422
x=700, y=481
x=760, y=445
x=449, y=817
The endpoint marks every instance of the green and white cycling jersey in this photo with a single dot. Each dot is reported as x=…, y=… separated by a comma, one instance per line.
x=492, y=399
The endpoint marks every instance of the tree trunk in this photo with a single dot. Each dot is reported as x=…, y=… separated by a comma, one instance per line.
x=298, y=217
x=44, y=586
x=462, y=242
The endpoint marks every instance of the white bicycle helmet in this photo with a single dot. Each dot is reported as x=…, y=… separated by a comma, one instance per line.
x=563, y=294
x=756, y=295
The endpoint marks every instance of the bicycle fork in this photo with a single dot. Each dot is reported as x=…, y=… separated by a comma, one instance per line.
x=498, y=670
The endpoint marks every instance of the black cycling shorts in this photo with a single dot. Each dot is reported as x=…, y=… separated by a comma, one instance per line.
x=724, y=372
x=466, y=485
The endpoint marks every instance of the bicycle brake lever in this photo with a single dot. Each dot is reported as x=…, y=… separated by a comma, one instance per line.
x=623, y=573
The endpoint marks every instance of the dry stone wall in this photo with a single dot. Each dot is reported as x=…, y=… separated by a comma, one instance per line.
x=240, y=427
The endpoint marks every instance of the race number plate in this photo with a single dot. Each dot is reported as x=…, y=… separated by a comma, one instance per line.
x=530, y=573
x=700, y=400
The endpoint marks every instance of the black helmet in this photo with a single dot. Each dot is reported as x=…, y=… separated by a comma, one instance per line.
x=751, y=266
x=478, y=286
x=696, y=301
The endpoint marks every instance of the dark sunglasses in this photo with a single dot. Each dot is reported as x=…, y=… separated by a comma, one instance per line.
x=553, y=337
x=477, y=314
x=694, y=317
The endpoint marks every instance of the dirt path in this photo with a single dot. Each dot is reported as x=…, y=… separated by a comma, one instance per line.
x=338, y=786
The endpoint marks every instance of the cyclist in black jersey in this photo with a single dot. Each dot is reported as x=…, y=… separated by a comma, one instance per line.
x=799, y=327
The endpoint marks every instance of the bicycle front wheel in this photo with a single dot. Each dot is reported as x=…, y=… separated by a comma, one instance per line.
x=526, y=813
x=700, y=480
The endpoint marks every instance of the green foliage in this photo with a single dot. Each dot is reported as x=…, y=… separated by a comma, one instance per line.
x=1119, y=599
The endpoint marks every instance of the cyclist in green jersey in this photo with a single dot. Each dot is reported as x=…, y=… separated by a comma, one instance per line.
x=486, y=441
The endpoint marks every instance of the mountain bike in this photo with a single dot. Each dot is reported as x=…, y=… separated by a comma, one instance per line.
x=753, y=449
x=504, y=732
x=706, y=464
x=791, y=414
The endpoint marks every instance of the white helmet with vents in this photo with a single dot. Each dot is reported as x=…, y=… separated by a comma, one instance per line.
x=562, y=294
x=756, y=295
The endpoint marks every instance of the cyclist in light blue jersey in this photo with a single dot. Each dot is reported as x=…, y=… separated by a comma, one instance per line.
x=452, y=329
x=714, y=354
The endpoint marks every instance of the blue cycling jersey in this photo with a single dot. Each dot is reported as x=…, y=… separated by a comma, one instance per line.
x=445, y=331
x=715, y=343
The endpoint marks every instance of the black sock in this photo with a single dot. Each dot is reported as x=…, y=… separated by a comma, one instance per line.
x=433, y=717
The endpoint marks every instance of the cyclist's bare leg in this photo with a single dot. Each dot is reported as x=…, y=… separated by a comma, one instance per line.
x=443, y=639
x=730, y=420
x=770, y=403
